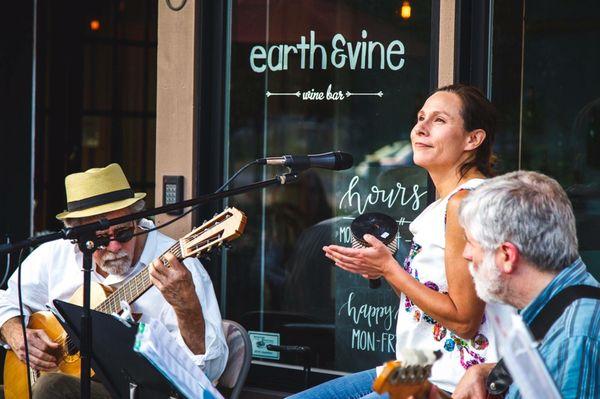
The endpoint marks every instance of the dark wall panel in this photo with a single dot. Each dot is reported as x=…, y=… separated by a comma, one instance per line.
x=16, y=57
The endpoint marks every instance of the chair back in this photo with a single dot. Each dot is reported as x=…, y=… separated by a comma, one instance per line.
x=238, y=361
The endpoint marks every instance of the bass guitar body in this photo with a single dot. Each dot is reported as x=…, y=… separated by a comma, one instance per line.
x=15, y=371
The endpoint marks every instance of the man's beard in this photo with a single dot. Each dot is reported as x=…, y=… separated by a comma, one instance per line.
x=488, y=280
x=117, y=264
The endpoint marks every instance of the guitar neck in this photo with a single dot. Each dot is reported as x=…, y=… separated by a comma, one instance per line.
x=135, y=287
x=224, y=227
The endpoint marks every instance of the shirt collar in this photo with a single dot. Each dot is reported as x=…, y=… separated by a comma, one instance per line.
x=572, y=274
x=148, y=255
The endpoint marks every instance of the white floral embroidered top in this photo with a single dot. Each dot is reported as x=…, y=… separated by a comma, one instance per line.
x=416, y=329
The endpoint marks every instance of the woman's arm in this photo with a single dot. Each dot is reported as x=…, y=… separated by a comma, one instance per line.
x=461, y=311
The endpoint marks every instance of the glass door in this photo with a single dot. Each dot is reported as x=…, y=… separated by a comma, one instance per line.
x=544, y=79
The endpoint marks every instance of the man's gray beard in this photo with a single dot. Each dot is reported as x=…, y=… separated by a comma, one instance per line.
x=488, y=280
x=117, y=264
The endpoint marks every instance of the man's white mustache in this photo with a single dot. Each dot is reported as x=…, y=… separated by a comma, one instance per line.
x=111, y=256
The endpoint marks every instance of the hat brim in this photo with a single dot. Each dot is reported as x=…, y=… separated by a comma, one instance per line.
x=100, y=209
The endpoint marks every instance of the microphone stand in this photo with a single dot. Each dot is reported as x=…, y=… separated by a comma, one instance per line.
x=88, y=242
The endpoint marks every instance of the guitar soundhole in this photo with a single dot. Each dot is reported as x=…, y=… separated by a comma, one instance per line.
x=72, y=349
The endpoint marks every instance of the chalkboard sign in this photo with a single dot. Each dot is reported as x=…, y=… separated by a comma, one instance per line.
x=365, y=318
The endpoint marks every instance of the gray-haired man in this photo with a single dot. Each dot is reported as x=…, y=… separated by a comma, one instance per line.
x=522, y=245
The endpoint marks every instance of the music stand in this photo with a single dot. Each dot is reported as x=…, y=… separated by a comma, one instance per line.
x=123, y=372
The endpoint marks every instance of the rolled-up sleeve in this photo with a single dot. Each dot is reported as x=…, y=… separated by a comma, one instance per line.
x=34, y=291
x=213, y=361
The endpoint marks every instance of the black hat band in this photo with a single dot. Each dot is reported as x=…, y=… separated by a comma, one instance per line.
x=100, y=199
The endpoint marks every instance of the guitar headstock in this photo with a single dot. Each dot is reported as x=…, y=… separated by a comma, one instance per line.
x=407, y=377
x=222, y=228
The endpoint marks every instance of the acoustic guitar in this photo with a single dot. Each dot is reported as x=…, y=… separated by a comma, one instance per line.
x=222, y=228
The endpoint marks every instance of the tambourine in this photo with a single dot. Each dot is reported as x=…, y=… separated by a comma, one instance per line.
x=379, y=225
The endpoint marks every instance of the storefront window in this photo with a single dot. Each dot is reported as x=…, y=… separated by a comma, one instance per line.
x=548, y=90
x=308, y=77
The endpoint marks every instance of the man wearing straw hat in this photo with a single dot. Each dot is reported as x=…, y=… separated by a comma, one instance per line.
x=182, y=297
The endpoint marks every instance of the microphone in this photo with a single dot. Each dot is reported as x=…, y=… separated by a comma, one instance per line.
x=335, y=160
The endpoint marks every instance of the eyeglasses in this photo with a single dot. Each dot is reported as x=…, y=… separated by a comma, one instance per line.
x=122, y=235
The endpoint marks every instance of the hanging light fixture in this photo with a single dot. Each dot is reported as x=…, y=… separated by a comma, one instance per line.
x=95, y=24
x=405, y=10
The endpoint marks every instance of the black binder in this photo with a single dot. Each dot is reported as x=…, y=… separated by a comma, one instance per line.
x=124, y=373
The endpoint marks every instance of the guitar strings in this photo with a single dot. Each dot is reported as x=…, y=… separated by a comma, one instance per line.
x=140, y=282
x=135, y=287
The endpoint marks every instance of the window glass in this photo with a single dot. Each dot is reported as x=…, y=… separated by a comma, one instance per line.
x=308, y=77
x=548, y=90
x=97, y=69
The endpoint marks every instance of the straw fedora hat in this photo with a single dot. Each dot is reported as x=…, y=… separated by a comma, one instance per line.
x=97, y=191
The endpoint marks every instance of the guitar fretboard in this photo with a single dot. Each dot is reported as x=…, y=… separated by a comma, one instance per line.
x=134, y=288
x=224, y=227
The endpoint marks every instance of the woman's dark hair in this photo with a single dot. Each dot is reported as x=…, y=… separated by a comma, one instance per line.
x=477, y=113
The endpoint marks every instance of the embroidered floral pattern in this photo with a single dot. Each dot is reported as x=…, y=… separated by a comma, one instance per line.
x=417, y=316
x=480, y=342
x=439, y=332
x=475, y=358
x=468, y=356
x=414, y=251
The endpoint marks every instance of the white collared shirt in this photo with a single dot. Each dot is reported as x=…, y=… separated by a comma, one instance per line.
x=53, y=271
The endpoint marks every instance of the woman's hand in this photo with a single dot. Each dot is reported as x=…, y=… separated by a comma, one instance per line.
x=372, y=262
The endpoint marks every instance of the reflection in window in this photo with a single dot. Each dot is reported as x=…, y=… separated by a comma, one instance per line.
x=96, y=72
x=554, y=124
x=309, y=77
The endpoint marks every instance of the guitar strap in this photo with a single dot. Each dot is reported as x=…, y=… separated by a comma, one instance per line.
x=499, y=379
